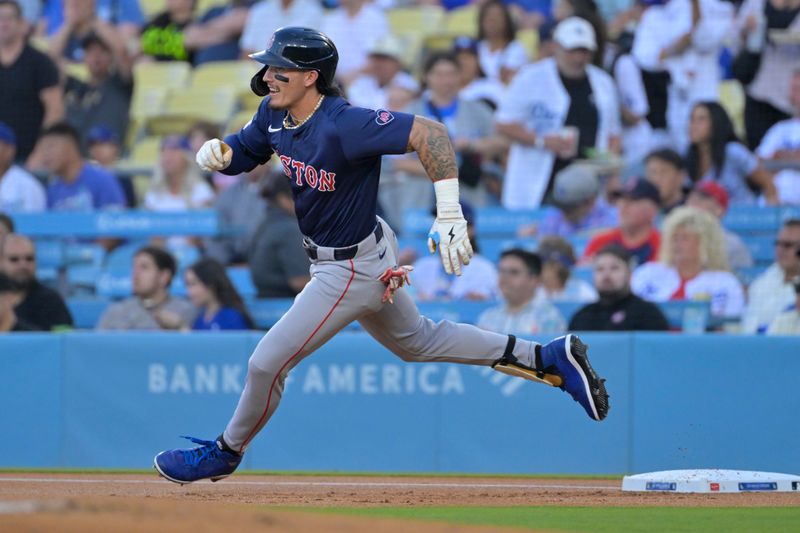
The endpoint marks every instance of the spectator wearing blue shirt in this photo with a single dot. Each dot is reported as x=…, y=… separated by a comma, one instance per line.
x=125, y=15
x=76, y=185
x=210, y=290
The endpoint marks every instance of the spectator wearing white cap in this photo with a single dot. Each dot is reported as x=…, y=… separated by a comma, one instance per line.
x=20, y=192
x=573, y=109
x=576, y=208
x=384, y=71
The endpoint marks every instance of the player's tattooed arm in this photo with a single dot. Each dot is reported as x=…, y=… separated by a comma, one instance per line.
x=432, y=143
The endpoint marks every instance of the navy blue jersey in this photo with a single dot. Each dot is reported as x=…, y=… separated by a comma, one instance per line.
x=333, y=162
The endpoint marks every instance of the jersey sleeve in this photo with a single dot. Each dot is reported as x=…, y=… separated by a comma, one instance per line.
x=251, y=146
x=366, y=133
x=517, y=101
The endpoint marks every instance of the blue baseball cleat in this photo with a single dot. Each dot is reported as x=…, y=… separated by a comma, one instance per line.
x=568, y=357
x=208, y=461
x=562, y=363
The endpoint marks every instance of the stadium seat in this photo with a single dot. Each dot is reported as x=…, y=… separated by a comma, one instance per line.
x=151, y=8
x=420, y=20
x=79, y=71
x=147, y=101
x=731, y=97
x=266, y=312
x=234, y=74
x=746, y=219
x=184, y=108
x=568, y=309
x=749, y=274
x=86, y=312
x=121, y=257
x=240, y=277
x=762, y=248
x=491, y=248
x=462, y=21
x=238, y=121
x=249, y=101
x=49, y=253
x=143, y=156
x=163, y=74
x=530, y=40
x=500, y=222
x=202, y=6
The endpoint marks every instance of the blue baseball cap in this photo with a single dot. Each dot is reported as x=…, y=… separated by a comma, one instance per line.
x=177, y=142
x=7, y=135
x=102, y=134
x=464, y=43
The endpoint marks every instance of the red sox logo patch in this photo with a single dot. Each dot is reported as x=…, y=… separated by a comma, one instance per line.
x=383, y=117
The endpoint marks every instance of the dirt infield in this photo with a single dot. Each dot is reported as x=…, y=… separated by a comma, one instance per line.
x=93, y=502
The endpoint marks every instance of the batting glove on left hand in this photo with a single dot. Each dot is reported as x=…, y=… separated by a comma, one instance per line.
x=449, y=234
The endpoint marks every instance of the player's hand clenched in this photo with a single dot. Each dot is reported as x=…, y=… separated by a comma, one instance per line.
x=449, y=234
x=214, y=155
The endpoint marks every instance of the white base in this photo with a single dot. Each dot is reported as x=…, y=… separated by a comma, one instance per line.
x=711, y=481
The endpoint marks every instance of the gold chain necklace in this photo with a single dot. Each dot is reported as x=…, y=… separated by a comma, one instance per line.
x=287, y=125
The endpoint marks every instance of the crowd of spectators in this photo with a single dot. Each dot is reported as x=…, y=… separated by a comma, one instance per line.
x=610, y=116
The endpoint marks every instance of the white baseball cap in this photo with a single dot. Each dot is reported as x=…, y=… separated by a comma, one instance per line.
x=575, y=32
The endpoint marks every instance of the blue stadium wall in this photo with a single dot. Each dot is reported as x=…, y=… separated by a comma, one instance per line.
x=114, y=400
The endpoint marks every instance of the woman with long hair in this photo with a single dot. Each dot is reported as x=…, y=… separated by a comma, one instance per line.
x=716, y=154
x=692, y=265
x=178, y=184
x=500, y=55
x=212, y=292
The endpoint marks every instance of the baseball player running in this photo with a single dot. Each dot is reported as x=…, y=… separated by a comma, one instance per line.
x=331, y=152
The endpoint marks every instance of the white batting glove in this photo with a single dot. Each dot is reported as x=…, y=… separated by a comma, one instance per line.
x=214, y=155
x=449, y=230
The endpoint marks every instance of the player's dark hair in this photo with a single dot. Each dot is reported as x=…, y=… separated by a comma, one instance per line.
x=162, y=258
x=721, y=134
x=510, y=27
x=14, y=5
x=668, y=155
x=62, y=129
x=329, y=89
x=6, y=220
x=531, y=260
x=212, y=274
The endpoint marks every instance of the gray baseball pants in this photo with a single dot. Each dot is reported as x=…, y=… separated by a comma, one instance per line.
x=339, y=292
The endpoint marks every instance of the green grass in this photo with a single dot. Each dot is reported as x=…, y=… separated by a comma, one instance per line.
x=602, y=519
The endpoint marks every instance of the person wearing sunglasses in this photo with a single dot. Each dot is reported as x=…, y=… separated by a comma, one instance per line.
x=41, y=306
x=788, y=322
x=772, y=292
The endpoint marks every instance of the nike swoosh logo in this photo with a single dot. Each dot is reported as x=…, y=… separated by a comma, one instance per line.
x=452, y=234
x=273, y=130
x=381, y=254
